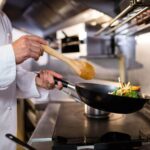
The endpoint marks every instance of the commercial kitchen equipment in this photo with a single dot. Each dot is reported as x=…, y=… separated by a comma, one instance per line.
x=70, y=128
x=130, y=10
x=66, y=126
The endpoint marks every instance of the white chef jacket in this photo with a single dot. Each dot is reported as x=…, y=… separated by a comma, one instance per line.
x=14, y=80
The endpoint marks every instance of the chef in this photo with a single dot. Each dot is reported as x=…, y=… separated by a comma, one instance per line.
x=17, y=82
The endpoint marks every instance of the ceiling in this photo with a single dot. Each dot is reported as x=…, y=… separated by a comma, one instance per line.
x=44, y=17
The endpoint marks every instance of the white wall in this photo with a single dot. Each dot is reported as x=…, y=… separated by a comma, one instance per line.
x=141, y=76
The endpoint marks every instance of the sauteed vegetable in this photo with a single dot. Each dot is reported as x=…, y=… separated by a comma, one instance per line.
x=127, y=90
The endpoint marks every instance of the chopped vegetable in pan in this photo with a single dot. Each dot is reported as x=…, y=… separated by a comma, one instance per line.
x=127, y=90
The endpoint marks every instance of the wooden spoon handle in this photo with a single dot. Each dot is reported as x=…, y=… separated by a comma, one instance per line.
x=84, y=69
x=54, y=53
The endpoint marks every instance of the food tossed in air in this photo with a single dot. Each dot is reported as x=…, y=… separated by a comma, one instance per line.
x=127, y=90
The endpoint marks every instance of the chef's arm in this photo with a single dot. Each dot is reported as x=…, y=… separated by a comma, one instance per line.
x=26, y=85
x=28, y=46
x=7, y=66
x=31, y=85
x=15, y=53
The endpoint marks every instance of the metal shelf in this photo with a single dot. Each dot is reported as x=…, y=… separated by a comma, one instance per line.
x=135, y=8
x=131, y=17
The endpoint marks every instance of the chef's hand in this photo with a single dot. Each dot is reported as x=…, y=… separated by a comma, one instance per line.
x=28, y=46
x=45, y=79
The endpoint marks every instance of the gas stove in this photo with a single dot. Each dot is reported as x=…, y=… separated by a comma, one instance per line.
x=111, y=144
x=75, y=131
x=67, y=126
x=109, y=141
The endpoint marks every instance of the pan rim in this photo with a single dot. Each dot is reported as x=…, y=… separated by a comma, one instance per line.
x=112, y=86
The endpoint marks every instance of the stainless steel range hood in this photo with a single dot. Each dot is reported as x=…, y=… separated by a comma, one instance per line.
x=45, y=17
x=50, y=13
x=42, y=14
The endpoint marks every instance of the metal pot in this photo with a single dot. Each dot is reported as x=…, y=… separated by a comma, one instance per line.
x=95, y=113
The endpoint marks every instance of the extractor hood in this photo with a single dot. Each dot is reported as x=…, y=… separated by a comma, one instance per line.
x=45, y=17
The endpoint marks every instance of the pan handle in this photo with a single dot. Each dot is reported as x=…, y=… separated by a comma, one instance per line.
x=68, y=85
x=65, y=83
x=18, y=141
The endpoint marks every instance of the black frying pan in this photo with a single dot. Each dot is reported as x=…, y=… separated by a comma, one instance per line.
x=96, y=96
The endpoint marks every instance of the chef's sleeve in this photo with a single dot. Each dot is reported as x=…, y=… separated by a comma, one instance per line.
x=7, y=66
x=26, y=85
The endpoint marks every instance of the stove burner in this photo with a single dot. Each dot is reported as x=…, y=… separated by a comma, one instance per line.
x=114, y=137
x=117, y=141
x=109, y=141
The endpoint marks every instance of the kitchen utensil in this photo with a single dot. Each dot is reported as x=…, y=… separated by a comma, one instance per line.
x=83, y=68
x=18, y=141
x=96, y=96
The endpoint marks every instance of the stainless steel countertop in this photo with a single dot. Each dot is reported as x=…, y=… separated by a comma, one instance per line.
x=41, y=138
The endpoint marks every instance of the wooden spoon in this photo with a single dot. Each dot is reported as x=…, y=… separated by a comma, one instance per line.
x=83, y=68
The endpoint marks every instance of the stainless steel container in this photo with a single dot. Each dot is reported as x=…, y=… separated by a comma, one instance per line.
x=95, y=113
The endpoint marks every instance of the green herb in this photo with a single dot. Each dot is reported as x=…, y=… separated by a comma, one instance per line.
x=133, y=94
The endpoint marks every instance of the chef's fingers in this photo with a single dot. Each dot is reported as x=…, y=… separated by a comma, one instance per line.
x=47, y=80
x=50, y=79
x=43, y=78
x=59, y=85
x=34, y=55
x=36, y=48
x=37, y=39
x=55, y=74
x=40, y=79
x=35, y=52
x=35, y=43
